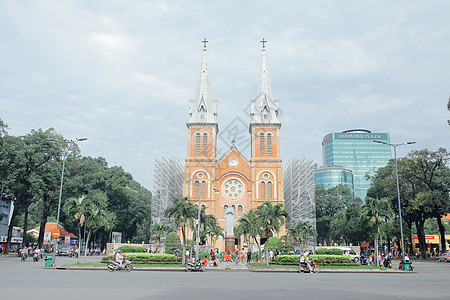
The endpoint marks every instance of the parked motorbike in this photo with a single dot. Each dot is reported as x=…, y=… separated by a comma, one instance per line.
x=387, y=263
x=195, y=266
x=35, y=257
x=303, y=267
x=125, y=266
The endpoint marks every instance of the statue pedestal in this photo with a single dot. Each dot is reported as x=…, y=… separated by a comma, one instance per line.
x=229, y=243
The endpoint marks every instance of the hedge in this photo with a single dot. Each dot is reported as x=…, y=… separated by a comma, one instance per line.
x=147, y=258
x=329, y=251
x=334, y=260
x=132, y=249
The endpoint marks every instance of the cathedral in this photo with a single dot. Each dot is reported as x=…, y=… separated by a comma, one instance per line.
x=233, y=181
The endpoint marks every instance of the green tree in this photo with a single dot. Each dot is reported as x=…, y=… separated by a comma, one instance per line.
x=328, y=203
x=20, y=157
x=272, y=218
x=172, y=242
x=273, y=243
x=183, y=212
x=159, y=229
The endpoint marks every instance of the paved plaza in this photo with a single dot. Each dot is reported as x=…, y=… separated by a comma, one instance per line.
x=29, y=281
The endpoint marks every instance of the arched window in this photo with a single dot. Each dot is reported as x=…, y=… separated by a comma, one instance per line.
x=225, y=210
x=261, y=143
x=234, y=209
x=263, y=190
x=269, y=190
x=196, y=189
x=203, y=189
x=205, y=143
x=239, y=211
x=269, y=144
x=197, y=143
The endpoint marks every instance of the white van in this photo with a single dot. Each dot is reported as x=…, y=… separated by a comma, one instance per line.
x=348, y=251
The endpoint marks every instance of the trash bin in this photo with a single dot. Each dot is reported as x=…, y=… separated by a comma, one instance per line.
x=48, y=261
x=406, y=265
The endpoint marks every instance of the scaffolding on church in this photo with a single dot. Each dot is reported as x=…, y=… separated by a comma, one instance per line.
x=299, y=191
x=168, y=185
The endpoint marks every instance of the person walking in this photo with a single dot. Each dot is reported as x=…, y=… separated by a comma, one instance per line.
x=249, y=256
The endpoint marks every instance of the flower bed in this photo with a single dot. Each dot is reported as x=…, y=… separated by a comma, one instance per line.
x=147, y=258
x=321, y=260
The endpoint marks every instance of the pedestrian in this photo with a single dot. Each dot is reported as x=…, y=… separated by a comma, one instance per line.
x=218, y=255
x=249, y=256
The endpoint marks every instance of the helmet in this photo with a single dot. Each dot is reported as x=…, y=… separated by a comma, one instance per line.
x=119, y=251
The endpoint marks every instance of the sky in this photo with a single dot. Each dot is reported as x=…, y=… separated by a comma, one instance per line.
x=121, y=73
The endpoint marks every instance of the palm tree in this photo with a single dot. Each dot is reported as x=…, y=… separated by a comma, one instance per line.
x=76, y=207
x=250, y=226
x=96, y=213
x=375, y=212
x=272, y=218
x=295, y=232
x=182, y=211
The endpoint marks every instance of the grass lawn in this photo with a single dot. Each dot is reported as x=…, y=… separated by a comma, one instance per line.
x=273, y=266
x=99, y=264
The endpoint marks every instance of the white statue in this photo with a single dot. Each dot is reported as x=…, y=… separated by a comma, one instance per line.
x=229, y=218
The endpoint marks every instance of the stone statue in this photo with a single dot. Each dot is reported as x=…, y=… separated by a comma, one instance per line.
x=229, y=218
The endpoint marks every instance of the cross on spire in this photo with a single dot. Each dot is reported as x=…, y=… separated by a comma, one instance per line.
x=204, y=43
x=263, y=42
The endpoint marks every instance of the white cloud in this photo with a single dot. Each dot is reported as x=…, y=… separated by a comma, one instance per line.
x=122, y=73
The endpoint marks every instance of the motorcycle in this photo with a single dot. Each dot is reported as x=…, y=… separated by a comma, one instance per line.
x=303, y=267
x=35, y=257
x=125, y=266
x=23, y=256
x=400, y=266
x=195, y=266
x=387, y=263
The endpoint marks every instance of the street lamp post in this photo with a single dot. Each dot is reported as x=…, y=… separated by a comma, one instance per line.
x=398, y=189
x=197, y=244
x=67, y=147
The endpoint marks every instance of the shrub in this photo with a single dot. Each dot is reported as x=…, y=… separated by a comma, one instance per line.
x=132, y=249
x=335, y=260
x=147, y=258
x=172, y=242
x=329, y=251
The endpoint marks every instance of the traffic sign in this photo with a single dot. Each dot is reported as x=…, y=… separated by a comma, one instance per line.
x=56, y=234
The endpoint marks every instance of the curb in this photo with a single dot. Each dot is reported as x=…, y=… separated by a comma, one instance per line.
x=331, y=271
x=261, y=270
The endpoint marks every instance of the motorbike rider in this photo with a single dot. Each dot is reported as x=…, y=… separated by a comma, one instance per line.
x=119, y=258
x=24, y=252
x=305, y=261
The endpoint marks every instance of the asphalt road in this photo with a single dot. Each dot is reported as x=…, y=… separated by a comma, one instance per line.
x=28, y=280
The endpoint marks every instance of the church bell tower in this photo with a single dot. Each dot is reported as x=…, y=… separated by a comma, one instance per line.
x=202, y=139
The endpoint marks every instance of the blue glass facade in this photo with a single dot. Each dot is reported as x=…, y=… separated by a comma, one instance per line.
x=332, y=176
x=356, y=151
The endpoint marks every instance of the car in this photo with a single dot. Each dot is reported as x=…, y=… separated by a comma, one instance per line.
x=445, y=256
x=64, y=251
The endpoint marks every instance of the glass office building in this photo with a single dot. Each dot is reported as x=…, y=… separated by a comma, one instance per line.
x=355, y=150
x=332, y=176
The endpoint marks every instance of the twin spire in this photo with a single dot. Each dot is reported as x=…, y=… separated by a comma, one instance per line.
x=263, y=109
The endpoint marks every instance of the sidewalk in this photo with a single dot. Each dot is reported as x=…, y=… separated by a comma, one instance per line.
x=232, y=267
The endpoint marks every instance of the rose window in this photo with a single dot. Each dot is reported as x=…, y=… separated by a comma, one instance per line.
x=233, y=189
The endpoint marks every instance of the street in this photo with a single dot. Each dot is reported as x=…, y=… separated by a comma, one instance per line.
x=27, y=280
